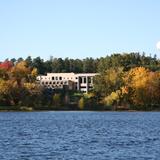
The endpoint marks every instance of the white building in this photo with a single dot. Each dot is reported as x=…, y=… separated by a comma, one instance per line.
x=80, y=82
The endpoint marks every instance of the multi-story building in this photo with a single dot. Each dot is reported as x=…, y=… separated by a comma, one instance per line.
x=72, y=81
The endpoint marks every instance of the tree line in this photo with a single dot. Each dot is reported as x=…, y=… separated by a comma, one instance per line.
x=59, y=65
x=135, y=89
x=89, y=64
x=125, y=81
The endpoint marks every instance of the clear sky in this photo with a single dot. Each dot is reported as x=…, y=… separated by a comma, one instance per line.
x=78, y=28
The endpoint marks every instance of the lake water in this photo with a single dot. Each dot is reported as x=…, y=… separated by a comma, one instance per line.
x=79, y=135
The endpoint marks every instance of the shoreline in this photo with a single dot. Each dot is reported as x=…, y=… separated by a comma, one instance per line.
x=68, y=109
x=79, y=111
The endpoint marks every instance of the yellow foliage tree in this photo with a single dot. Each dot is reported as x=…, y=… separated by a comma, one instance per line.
x=143, y=86
x=113, y=98
x=34, y=73
x=33, y=88
x=20, y=72
x=4, y=87
x=81, y=103
x=19, y=84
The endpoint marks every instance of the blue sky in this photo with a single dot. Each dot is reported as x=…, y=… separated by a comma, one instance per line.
x=78, y=28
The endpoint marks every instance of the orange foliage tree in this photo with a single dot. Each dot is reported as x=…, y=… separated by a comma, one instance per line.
x=17, y=84
x=143, y=86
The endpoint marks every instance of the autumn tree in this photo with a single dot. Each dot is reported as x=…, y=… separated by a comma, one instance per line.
x=17, y=83
x=108, y=81
x=143, y=86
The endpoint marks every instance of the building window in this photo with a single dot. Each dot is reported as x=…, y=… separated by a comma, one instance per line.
x=84, y=87
x=60, y=78
x=46, y=82
x=56, y=78
x=84, y=80
x=89, y=79
x=52, y=78
x=80, y=79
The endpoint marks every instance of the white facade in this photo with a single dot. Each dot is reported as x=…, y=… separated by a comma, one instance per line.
x=81, y=81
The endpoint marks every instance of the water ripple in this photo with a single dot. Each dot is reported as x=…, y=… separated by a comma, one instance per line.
x=79, y=136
